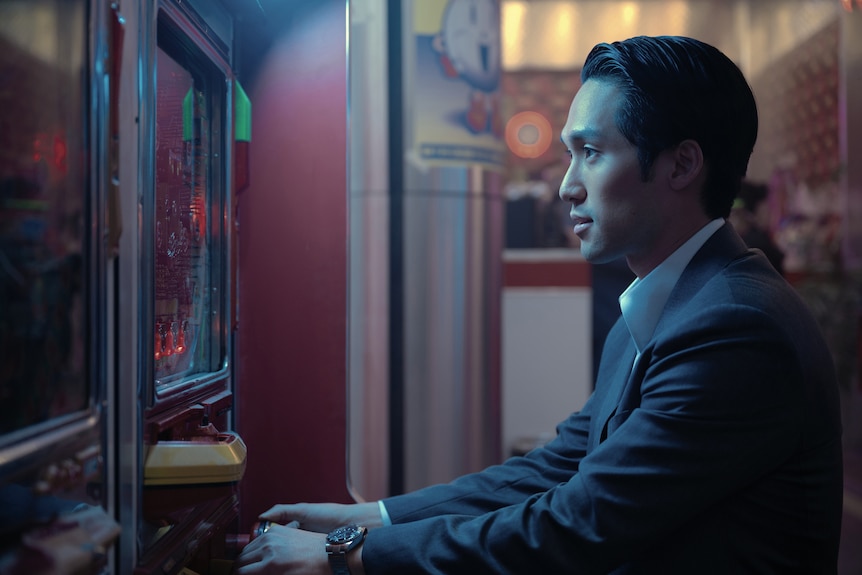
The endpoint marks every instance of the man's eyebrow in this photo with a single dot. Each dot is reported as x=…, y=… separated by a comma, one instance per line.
x=580, y=135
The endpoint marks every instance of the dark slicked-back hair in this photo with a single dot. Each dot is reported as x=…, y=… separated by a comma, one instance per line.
x=676, y=88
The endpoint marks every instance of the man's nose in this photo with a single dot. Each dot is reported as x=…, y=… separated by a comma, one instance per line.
x=572, y=189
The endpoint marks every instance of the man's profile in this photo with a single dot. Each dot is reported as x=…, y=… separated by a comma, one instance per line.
x=712, y=442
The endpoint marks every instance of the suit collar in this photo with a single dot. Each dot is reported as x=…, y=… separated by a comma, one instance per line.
x=643, y=303
x=717, y=253
x=723, y=247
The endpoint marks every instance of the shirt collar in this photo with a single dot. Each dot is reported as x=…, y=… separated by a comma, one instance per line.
x=643, y=301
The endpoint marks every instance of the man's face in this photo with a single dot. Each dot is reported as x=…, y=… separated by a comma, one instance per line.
x=615, y=213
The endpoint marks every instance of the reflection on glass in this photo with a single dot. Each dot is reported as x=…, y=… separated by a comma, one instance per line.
x=189, y=259
x=182, y=251
x=42, y=204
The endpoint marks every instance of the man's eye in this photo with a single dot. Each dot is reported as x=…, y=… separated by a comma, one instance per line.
x=585, y=152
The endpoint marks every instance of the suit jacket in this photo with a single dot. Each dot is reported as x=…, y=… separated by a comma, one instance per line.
x=718, y=452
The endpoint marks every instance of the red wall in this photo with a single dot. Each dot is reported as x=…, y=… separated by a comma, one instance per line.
x=291, y=373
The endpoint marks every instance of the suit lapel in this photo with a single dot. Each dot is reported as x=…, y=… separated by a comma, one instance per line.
x=616, y=368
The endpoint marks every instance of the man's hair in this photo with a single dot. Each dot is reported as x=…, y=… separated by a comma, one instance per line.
x=676, y=88
x=752, y=194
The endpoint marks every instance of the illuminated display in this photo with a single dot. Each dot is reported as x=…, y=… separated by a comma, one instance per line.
x=188, y=295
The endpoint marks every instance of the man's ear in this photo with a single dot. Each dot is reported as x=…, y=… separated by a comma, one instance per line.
x=688, y=164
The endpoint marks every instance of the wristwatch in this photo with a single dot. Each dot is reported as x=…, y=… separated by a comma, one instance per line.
x=339, y=542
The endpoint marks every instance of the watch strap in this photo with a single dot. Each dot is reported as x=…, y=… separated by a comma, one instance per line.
x=339, y=543
x=338, y=563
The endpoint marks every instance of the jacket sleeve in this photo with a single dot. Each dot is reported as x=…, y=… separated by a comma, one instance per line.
x=502, y=485
x=715, y=405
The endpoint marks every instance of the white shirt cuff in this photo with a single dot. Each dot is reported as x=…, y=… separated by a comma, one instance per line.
x=384, y=515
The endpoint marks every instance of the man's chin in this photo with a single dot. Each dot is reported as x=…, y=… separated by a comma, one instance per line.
x=591, y=254
x=596, y=256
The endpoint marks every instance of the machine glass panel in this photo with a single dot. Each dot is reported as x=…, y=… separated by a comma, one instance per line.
x=43, y=206
x=189, y=248
x=191, y=462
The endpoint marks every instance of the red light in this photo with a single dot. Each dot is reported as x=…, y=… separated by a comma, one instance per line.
x=59, y=154
x=37, y=148
x=533, y=124
x=181, y=342
x=158, y=345
x=169, y=343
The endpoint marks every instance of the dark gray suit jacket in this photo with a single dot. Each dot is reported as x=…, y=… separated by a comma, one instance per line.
x=720, y=452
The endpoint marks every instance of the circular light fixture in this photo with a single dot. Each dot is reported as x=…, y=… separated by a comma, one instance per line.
x=528, y=134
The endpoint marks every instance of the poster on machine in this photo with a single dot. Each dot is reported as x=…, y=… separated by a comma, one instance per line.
x=457, y=95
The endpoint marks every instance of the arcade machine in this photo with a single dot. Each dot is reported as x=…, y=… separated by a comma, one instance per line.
x=54, y=187
x=181, y=479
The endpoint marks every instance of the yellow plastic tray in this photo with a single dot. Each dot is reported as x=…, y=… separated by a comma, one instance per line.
x=219, y=460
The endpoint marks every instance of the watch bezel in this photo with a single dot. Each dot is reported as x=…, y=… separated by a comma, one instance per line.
x=344, y=538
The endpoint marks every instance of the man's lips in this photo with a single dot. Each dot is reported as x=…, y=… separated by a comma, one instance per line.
x=580, y=223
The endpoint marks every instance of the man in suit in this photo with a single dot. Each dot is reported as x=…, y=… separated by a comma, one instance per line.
x=712, y=443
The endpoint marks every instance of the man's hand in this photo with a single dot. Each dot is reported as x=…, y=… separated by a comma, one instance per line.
x=324, y=517
x=284, y=551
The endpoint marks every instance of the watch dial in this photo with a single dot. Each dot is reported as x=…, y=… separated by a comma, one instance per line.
x=343, y=534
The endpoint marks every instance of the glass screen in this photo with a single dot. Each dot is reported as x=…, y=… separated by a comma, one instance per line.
x=43, y=197
x=187, y=244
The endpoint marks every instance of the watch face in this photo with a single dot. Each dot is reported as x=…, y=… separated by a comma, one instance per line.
x=344, y=534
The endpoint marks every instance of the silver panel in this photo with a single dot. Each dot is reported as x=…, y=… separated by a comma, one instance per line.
x=453, y=284
x=136, y=95
x=368, y=273
x=452, y=220
x=452, y=262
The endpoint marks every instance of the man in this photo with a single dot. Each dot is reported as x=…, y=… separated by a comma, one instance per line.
x=712, y=443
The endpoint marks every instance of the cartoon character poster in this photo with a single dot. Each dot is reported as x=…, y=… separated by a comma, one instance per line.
x=457, y=89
